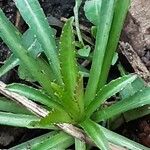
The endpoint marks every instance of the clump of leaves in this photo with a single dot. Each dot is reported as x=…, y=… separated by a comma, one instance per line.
x=62, y=93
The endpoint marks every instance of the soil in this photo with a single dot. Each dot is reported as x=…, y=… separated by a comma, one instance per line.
x=138, y=130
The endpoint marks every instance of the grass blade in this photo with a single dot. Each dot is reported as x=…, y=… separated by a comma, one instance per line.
x=121, y=9
x=93, y=130
x=137, y=100
x=109, y=90
x=38, y=22
x=103, y=28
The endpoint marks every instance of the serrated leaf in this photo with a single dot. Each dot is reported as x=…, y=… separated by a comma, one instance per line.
x=38, y=22
x=67, y=57
x=34, y=94
x=103, y=28
x=69, y=68
x=93, y=130
x=92, y=9
x=109, y=90
x=55, y=116
x=139, y=99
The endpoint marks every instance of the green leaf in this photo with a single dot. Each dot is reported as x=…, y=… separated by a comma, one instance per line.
x=109, y=90
x=58, y=141
x=17, y=120
x=85, y=51
x=76, y=15
x=34, y=142
x=115, y=58
x=80, y=145
x=122, y=141
x=139, y=99
x=34, y=94
x=103, y=28
x=55, y=116
x=94, y=131
x=121, y=9
x=35, y=18
x=12, y=38
x=69, y=68
x=92, y=9
x=7, y=105
x=9, y=64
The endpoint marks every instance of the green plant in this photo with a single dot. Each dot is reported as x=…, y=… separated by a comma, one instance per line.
x=63, y=101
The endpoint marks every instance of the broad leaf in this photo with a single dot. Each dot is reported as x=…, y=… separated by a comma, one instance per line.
x=139, y=99
x=96, y=134
x=38, y=22
x=109, y=90
x=103, y=28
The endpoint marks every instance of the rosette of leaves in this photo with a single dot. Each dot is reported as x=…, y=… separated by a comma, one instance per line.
x=54, y=69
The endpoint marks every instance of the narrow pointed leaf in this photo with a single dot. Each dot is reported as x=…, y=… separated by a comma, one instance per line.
x=120, y=12
x=93, y=130
x=109, y=90
x=103, y=28
x=37, y=22
x=12, y=38
x=67, y=57
x=7, y=105
x=122, y=141
x=34, y=94
x=137, y=100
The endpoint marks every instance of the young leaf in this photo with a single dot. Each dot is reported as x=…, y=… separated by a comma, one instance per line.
x=139, y=99
x=121, y=9
x=38, y=22
x=34, y=94
x=109, y=90
x=93, y=130
x=103, y=28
